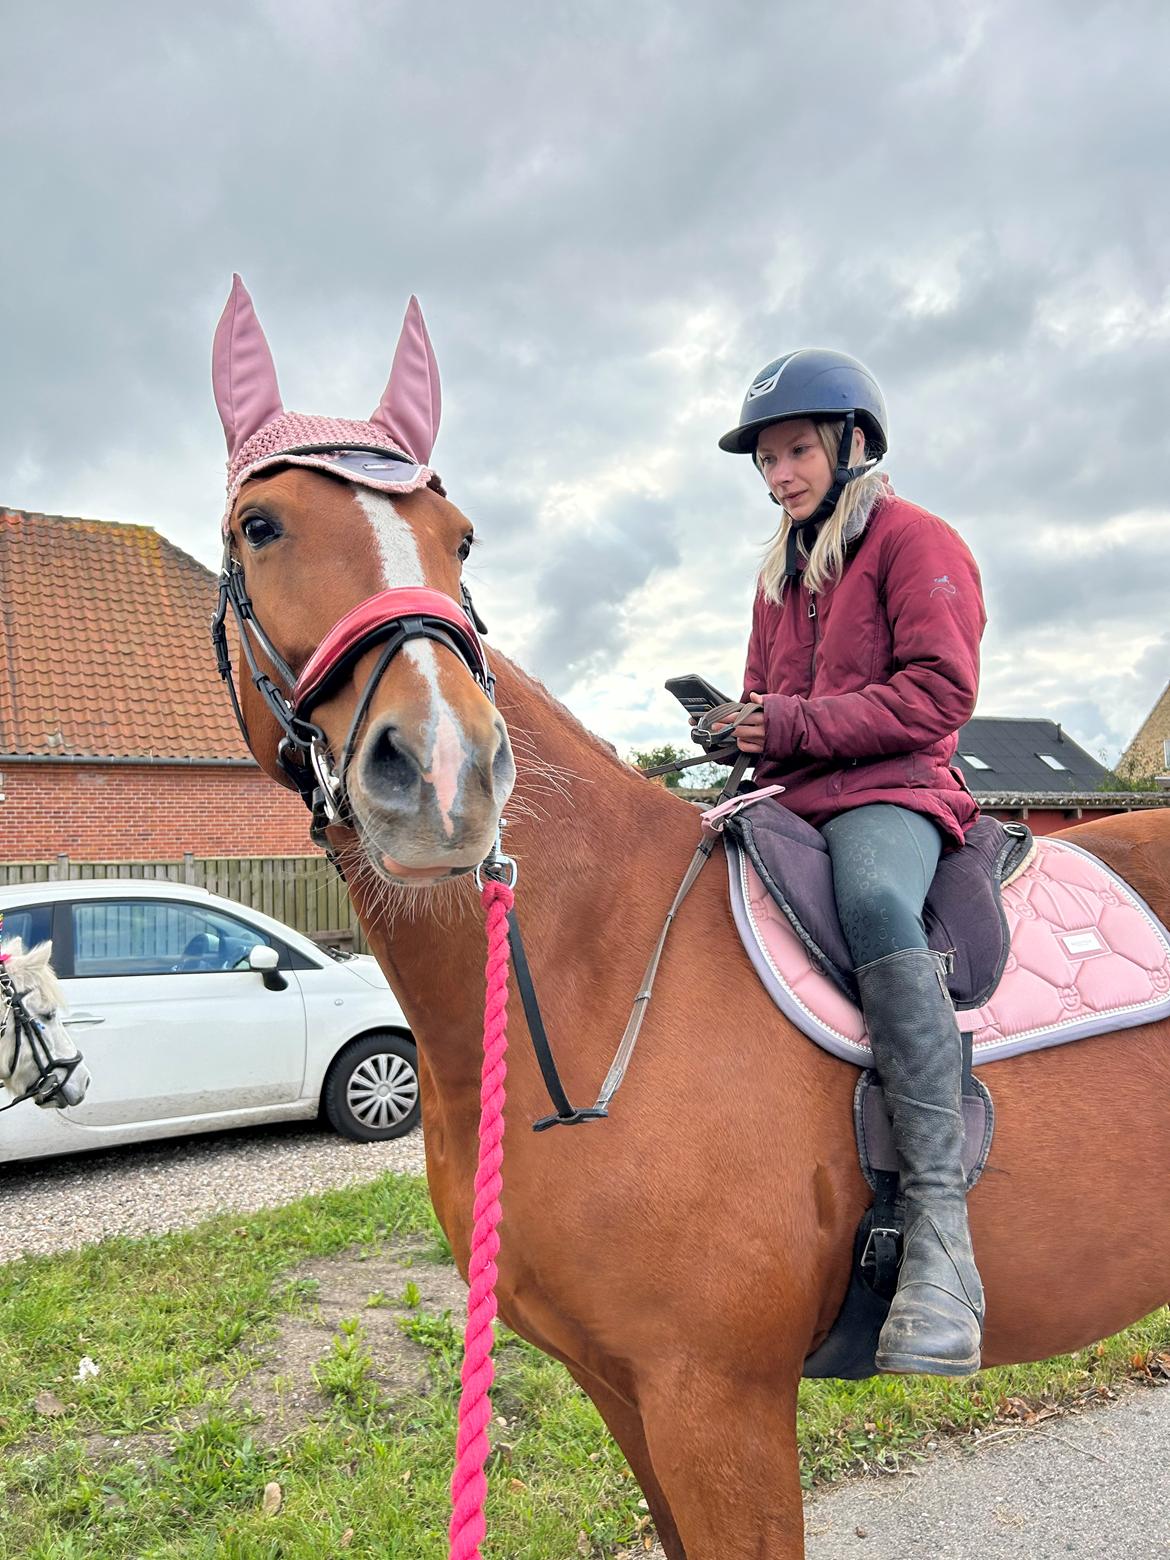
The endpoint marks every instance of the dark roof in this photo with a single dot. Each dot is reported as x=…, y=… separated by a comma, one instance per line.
x=104, y=647
x=1011, y=749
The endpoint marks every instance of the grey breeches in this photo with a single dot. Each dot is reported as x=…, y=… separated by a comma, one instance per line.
x=884, y=859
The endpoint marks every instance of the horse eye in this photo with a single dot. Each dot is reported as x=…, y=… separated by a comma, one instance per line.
x=259, y=529
x=465, y=547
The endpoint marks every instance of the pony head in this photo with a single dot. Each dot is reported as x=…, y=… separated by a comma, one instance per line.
x=22, y=1072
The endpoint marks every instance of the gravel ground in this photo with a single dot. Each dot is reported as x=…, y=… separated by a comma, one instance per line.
x=57, y=1204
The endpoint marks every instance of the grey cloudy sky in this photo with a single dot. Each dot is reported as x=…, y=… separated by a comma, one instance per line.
x=613, y=215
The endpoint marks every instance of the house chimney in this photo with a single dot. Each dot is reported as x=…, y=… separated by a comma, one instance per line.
x=1059, y=733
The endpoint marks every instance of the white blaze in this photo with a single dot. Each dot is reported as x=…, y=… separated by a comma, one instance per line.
x=443, y=733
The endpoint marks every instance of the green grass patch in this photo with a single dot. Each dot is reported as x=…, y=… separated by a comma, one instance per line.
x=851, y=1426
x=155, y=1457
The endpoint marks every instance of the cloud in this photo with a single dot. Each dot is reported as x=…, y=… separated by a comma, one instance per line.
x=614, y=216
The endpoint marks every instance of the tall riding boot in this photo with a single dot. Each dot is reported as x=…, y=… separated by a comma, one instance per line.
x=935, y=1325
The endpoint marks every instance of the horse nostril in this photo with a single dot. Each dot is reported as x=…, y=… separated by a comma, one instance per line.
x=389, y=771
x=503, y=764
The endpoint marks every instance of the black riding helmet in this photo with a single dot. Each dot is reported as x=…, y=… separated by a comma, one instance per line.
x=825, y=386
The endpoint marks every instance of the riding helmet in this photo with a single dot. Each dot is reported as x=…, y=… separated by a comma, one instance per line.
x=811, y=383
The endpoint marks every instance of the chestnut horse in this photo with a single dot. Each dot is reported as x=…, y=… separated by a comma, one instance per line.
x=684, y=1256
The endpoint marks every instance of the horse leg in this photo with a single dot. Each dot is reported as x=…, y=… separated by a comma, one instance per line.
x=625, y=1425
x=725, y=1454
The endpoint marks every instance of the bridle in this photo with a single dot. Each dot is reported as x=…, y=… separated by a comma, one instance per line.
x=54, y=1070
x=392, y=619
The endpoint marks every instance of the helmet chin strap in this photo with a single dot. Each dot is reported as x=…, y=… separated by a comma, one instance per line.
x=843, y=474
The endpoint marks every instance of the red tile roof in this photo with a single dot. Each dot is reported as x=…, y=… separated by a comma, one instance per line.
x=105, y=647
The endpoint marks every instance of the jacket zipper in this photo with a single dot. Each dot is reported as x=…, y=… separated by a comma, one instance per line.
x=816, y=644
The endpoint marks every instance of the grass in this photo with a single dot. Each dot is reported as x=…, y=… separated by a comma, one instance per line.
x=151, y=1459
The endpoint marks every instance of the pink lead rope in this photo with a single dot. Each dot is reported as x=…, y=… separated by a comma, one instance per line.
x=469, y=1482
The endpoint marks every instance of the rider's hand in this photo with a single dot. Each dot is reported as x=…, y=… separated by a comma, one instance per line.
x=749, y=734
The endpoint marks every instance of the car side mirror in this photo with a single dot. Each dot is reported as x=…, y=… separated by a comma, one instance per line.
x=265, y=960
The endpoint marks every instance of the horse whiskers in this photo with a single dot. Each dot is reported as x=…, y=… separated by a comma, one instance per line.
x=445, y=901
x=523, y=807
x=534, y=765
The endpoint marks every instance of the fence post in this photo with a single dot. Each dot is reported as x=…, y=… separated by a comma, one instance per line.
x=188, y=866
x=62, y=873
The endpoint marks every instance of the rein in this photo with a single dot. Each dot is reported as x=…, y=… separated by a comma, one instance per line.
x=393, y=618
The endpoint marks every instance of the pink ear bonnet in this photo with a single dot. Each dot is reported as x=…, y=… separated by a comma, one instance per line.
x=388, y=453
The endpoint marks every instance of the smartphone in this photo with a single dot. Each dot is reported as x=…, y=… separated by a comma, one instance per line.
x=695, y=693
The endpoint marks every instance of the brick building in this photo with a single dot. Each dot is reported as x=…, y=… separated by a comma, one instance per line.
x=117, y=739
x=1149, y=752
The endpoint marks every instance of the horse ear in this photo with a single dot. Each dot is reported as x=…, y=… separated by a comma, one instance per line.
x=242, y=371
x=410, y=405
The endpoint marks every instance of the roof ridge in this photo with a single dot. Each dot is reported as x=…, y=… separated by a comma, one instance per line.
x=41, y=514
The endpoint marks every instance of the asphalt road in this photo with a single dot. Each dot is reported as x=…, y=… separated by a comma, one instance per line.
x=1092, y=1486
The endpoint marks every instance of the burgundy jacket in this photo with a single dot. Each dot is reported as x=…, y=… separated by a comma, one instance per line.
x=867, y=683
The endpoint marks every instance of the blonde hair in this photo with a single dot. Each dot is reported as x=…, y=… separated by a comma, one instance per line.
x=827, y=558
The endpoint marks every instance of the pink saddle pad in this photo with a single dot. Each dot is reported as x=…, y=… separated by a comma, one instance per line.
x=1088, y=956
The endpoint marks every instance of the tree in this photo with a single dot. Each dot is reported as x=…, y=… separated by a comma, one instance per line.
x=699, y=777
x=1126, y=778
x=648, y=758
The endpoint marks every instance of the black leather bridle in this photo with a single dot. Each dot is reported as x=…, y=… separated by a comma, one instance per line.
x=52, y=1070
x=392, y=618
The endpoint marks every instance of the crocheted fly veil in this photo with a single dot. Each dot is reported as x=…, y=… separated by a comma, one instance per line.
x=388, y=453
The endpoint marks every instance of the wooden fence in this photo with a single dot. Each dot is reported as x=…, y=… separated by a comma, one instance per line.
x=303, y=891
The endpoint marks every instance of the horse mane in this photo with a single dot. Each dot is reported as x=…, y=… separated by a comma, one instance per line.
x=30, y=967
x=603, y=750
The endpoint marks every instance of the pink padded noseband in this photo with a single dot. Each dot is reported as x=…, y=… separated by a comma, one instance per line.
x=367, y=622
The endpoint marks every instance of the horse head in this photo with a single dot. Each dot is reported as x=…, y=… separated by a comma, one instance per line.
x=38, y=1059
x=369, y=691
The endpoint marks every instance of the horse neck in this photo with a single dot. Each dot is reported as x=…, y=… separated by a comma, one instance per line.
x=600, y=851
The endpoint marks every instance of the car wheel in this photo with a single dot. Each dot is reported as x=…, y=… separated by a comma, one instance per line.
x=371, y=1093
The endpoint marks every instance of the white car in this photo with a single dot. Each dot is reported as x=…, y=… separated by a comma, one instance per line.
x=195, y=1013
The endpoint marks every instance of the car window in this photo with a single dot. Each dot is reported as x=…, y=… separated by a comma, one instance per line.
x=33, y=924
x=157, y=937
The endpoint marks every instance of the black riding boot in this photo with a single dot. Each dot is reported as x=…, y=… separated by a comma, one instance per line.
x=935, y=1325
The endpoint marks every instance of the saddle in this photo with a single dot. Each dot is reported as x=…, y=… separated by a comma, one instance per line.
x=964, y=914
x=1042, y=944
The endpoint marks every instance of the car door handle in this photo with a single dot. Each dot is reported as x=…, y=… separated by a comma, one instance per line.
x=84, y=1020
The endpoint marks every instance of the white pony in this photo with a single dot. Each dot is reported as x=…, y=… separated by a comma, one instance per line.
x=38, y=1060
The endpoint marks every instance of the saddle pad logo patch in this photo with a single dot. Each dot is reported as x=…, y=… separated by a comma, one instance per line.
x=1082, y=945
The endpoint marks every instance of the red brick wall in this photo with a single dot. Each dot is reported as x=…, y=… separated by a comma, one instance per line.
x=131, y=812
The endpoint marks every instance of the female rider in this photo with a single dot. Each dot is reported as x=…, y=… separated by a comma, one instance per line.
x=864, y=661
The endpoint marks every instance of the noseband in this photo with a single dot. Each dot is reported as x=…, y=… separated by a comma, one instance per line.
x=392, y=619
x=51, y=1069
